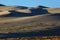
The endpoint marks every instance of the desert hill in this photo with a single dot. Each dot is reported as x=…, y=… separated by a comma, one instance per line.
x=25, y=19
x=25, y=24
x=27, y=10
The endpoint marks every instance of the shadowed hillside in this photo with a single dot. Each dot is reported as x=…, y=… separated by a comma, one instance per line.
x=14, y=13
x=26, y=11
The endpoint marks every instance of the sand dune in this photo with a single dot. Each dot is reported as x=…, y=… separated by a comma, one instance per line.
x=45, y=17
x=23, y=19
x=53, y=10
x=34, y=21
x=4, y=13
x=5, y=10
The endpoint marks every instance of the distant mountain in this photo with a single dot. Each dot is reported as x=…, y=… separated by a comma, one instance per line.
x=2, y=5
x=39, y=6
x=21, y=7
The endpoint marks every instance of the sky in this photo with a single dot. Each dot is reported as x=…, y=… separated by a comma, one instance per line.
x=32, y=3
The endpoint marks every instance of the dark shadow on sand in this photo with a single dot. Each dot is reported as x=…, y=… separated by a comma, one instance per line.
x=14, y=13
x=50, y=32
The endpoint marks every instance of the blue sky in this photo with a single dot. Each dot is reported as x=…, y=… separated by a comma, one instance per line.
x=32, y=3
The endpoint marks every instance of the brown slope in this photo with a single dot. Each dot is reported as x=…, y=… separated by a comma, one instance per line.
x=39, y=22
x=53, y=10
